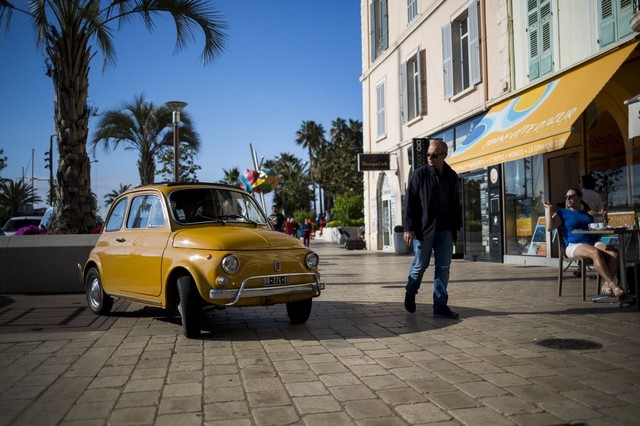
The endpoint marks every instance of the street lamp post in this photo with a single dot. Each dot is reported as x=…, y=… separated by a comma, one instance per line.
x=176, y=107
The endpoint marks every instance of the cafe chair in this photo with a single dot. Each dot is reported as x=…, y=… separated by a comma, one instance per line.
x=628, y=219
x=583, y=263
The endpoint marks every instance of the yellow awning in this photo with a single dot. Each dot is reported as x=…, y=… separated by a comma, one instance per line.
x=538, y=120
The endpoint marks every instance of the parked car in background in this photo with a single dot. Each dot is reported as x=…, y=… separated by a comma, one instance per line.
x=192, y=246
x=17, y=222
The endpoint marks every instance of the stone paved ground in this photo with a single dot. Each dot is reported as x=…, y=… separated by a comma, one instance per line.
x=360, y=359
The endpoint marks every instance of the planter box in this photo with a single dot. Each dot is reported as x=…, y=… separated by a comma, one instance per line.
x=43, y=263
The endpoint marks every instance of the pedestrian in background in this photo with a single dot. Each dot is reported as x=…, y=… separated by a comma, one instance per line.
x=307, y=228
x=432, y=218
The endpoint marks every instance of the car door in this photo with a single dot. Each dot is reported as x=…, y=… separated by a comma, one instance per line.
x=132, y=246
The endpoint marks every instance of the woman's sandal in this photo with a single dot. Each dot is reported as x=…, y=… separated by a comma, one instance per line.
x=606, y=289
x=617, y=291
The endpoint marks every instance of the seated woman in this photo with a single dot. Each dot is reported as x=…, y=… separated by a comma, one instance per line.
x=573, y=217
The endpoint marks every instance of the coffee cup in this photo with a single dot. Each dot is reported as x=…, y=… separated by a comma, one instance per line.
x=596, y=225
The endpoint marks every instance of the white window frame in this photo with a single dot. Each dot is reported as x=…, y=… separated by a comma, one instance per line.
x=381, y=127
x=378, y=27
x=413, y=86
x=412, y=10
x=461, y=52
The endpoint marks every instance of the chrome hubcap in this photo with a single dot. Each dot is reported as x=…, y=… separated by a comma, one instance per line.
x=95, y=294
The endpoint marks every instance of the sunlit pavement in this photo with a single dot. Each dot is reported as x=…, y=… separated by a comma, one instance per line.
x=360, y=359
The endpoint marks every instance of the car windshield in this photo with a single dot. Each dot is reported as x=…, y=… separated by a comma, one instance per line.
x=14, y=224
x=198, y=205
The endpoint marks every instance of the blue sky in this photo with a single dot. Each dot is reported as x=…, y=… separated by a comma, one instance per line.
x=286, y=61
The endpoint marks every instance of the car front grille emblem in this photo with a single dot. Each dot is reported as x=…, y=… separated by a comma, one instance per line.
x=277, y=266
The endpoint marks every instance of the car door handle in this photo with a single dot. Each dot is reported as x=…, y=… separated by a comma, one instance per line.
x=120, y=240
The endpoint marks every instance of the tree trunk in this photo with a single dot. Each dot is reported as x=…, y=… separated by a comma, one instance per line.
x=75, y=206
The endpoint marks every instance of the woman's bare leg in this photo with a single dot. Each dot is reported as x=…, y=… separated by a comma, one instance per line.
x=599, y=263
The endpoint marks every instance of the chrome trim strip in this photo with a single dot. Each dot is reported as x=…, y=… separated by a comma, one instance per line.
x=242, y=293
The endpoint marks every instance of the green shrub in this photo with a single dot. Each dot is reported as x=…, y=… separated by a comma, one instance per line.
x=347, y=209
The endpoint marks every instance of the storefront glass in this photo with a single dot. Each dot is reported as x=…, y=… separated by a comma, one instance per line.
x=476, y=215
x=523, y=207
x=607, y=160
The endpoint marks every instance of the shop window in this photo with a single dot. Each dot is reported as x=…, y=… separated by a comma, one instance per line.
x=606, y=159
x=615, y=17
x=524, y=209
x=540, y=38
x=476, y=215
x=461, y=52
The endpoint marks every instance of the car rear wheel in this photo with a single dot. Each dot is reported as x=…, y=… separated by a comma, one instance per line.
x=299, y=311
x=189, y=306
x=99, y=302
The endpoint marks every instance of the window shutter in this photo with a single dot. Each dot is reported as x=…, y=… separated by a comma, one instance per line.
x=384, y=25
x=404, y=95
x=607, y=22
x=422, y=66
x=532, y=28
x=624, y=18
x=546, y=42
x=474, y=44
x=447, y=61
x=372, y=29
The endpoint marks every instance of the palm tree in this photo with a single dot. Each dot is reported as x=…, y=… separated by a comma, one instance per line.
x=69, y=30
x=231, y=176
x=144, y=127
x=311, y=136
x=15, y=195
x=292, y=192
x=110, y=197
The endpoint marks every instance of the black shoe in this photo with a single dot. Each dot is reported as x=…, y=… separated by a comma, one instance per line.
x=445, y=312
x=410, y=302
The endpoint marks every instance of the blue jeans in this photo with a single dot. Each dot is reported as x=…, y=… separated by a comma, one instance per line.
x=442, y=247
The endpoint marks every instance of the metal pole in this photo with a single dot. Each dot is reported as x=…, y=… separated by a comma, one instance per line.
x=51, y=190
x=176, y=149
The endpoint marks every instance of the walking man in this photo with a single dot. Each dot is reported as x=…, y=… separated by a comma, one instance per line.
x=432, y=217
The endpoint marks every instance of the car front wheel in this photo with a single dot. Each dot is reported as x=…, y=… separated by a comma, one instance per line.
x=299, y=311
x=189, y=306
x=99, y=302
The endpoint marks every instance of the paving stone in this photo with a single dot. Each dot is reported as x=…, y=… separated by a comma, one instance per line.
x=133, y=416
x=181, y=404
x=225, y=411
x=139, y=399
x=367, y=408
x=325, y=419
x=510, y=405
x=275, y=416
x=316, y=404
x=453, y=400
x=480, y=416
x=268, y=398
x=419, y=412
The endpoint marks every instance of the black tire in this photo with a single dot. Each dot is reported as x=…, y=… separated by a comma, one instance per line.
x=99, y=302
x=299, y=311
x=189, y=306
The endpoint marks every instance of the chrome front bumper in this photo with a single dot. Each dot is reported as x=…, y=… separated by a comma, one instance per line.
x=314, y=288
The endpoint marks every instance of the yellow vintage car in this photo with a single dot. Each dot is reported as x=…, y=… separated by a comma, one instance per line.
x=197, y=245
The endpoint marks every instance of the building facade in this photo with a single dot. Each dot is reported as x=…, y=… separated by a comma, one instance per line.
x=528, y=96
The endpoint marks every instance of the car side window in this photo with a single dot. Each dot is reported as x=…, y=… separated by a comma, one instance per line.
x=116, y=218
x=157, y=215
x=140, y=213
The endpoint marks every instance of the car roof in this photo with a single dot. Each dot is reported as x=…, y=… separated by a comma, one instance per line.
x=167, y=187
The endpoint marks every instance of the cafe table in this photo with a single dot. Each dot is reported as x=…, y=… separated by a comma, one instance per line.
x=622, y=233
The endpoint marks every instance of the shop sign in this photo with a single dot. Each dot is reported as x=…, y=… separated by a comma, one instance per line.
x=634, y=119
x=373, y=162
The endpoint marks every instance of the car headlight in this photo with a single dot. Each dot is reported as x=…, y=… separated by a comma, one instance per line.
x=230, y=264
x=311, y=260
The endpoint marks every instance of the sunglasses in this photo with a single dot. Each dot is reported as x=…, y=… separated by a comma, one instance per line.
x=434, y=156
x=570, y=197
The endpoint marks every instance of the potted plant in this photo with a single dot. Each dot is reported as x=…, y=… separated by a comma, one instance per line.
x=398, y=241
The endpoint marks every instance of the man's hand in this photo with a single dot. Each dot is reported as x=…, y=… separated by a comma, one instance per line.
x=408, y=238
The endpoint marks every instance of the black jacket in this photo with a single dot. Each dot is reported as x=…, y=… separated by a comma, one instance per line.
x=432, y=202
